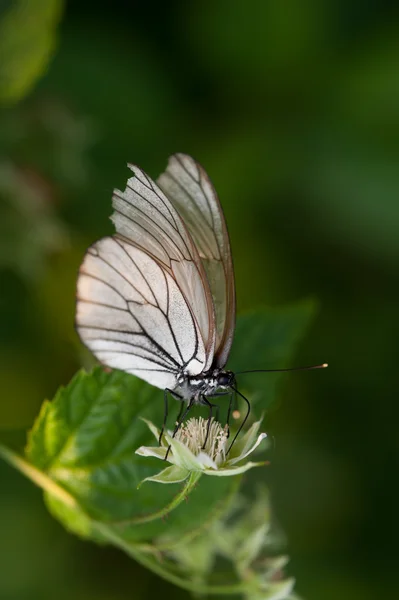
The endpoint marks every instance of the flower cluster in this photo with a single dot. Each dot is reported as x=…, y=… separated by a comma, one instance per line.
x=193, y=449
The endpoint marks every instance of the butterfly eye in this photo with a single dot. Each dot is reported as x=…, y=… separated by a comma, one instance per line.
x=225, y=379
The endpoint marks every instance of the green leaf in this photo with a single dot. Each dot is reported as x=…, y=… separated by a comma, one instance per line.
x=85, y=441
x=82, y=452
x=266, y=339
x=27, y=41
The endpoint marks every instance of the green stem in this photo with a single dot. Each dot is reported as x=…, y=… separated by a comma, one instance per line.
x=178, y=499
x=49, y=485
x=38, y=477
x=159, y=568
x=45, y=482
x=184, y=538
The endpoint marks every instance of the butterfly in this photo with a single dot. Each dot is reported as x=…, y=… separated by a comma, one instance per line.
x=157, y=299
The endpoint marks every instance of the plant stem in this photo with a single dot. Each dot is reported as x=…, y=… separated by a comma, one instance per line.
x=158, y=568
x=46, y=483
x=38, y=477
x=182, y=495
x=195, y=531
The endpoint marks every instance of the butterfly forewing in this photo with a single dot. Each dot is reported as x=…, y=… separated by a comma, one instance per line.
x=146, y=218
x=189, y=188
x=143, y=300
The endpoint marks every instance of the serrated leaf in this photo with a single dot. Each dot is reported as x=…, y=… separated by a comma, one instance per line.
x=85, y=441
x=82, y=448
x=266, y=339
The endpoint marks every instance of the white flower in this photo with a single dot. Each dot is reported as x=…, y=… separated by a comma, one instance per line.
x=187, y=453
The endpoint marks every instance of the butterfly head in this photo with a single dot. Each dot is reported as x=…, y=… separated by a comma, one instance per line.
x=225, y=379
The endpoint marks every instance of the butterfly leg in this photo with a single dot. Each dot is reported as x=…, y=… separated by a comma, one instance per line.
x=179, y=422
x=165, y=414
x=232, y=395
x=211, y=407
x=180, y=411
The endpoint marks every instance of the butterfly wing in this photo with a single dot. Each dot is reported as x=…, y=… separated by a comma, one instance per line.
x=143, y=299
x=190, y=190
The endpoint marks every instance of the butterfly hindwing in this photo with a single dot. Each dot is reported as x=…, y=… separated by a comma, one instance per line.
x=190, y=190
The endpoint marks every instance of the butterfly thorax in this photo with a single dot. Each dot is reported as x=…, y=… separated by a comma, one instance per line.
x=205, y=384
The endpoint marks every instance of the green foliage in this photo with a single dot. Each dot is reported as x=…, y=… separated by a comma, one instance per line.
x=85, y=440
x=293, y=109
x=81, y=451
x=27, y=40
x=265, y=340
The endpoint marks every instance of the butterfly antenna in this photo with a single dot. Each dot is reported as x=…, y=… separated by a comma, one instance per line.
x=310, y=368
x=245, y=418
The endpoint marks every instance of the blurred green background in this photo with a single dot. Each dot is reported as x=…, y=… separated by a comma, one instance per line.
x=292, y=107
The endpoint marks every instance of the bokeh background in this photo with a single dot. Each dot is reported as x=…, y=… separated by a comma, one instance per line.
x=293, y=109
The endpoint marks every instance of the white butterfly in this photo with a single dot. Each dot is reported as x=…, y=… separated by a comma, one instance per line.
x=157, y=299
